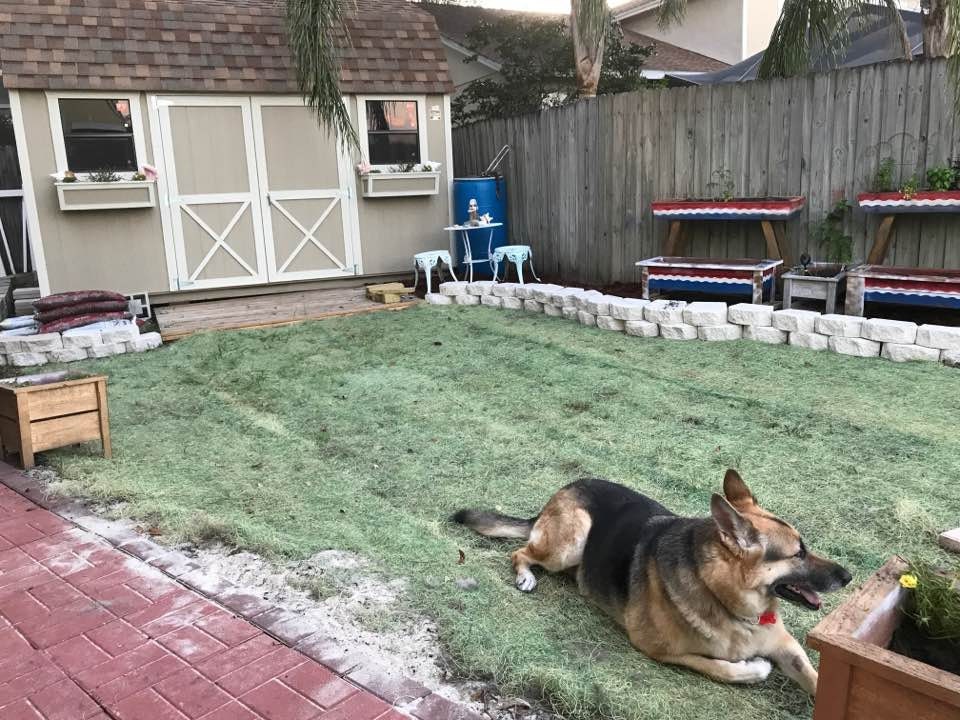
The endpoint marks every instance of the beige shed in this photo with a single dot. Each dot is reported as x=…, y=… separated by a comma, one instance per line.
x=243, y=189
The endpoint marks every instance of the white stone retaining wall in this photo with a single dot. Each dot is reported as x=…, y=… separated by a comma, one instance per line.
x=715, y=321
x=29, y=350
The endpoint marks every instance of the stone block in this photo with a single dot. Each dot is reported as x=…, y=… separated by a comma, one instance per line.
x=628, y=308
x=10, y=344
x=641, y=328
x=491, y=300
x=950, y=358
x=608, y=322
x=64, y=355
x=512, y=303
x=544, y=293
x=716, y=333
x=665, y=312
x=480, y=287
x=466, y=299
x=560, y=297
x=552, y=310
x=452, y=288
x=678, y=331
x=750, y=314
x=570, y=298
x=26, y=359
x=147, y=341
x=106, y=350
x=41, y=343
x=125, y=333
x=889, y=331
x=599, y=304
x=809, y=340
x=794, y=320
x=585, y=318
x=939, y=336
x=907, y=352
x=765, y=334
x=583, y=298
x=840, y=325
x=705, y=314
x=950, y=540
x=531, y=305
x=431, y=298
x=89, y=339
x=505, y=289
x=569, y=312
x=3, y=360
x=859, y=347
x=525, y=292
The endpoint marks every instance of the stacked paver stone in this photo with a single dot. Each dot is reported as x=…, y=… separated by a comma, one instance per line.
x=31, y=350
x=715, y=321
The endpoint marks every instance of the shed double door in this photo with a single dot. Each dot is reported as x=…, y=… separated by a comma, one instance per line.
x=257, y=192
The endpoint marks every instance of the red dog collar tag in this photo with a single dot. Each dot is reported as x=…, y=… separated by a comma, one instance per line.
x=768, y=618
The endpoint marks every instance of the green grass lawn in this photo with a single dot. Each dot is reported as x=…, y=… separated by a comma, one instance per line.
x=364, y=433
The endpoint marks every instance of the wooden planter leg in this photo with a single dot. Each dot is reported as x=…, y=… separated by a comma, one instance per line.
x=675, y=240
x=645, y=283
x=104, y=419
x=780, y=231
x=881, y=245
x=773, y=249
x=853, y=305
x=26, y=436
x=757, y=298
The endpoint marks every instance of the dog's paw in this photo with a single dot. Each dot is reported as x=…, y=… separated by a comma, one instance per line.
x=752, y=671
x=526, y=581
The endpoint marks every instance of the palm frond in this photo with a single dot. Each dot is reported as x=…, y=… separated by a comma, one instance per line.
x=805, y=27
x=312, y=27
x=894, y=22
x=591, y=18
x=671, y=12
x=588, y=27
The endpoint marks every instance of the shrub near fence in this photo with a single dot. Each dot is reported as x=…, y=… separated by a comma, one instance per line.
x=581, y=177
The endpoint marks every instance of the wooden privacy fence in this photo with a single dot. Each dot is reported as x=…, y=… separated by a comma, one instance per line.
x=581, y=177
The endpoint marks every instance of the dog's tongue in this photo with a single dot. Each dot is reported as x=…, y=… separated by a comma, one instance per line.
x=810, y=596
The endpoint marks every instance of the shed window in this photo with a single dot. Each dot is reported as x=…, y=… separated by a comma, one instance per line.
x=393, y=133
x=98, y=134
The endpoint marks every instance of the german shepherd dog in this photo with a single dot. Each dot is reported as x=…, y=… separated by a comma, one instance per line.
x=697, y=592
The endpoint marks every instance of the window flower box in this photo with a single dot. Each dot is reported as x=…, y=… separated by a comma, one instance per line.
x=118, y=195
x=399, y=181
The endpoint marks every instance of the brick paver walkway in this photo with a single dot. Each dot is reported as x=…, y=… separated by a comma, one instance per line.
x=89, y=632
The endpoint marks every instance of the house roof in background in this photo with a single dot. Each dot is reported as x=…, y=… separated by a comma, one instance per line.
x=208, y=46
x=456, y=22
x=872, y=41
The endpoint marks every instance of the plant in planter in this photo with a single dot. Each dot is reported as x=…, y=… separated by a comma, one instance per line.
x=883, y=177
x=830, y=236
x=104, y=176
x=930, y=629
x=941, y=178
x=723, y=186
x=69, y=176
x=910, y=187
x=139, y=177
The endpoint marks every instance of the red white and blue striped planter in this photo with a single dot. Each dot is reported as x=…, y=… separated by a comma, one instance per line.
x=894, y=203
x=752, y=278
x=735, y=209
x=906, y=286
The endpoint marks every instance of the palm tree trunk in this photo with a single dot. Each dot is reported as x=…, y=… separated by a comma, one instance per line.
x=936, y=34
x=588, y=25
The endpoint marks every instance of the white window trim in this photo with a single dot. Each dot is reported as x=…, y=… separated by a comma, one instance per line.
x=421, y=101
x=56, y=127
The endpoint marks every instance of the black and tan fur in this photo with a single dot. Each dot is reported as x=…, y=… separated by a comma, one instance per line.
x=688, y=591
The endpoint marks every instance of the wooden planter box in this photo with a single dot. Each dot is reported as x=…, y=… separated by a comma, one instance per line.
x=120, y=195
x=924, y=287
x=860, y=679
x=45, y=415
x=894, y=203
x=823, y=284
x=755, y=279
x=405, y=184
x=774, y=208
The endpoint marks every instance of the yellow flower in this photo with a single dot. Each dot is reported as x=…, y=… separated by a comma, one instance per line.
x=909, y=581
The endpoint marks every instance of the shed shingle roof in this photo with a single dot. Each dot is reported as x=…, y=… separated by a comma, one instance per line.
x=208, y=46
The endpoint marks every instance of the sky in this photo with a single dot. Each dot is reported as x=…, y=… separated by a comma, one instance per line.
x=536, y=5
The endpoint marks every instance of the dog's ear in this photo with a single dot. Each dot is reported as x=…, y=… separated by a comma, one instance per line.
x=736, y=490
x=736, y=532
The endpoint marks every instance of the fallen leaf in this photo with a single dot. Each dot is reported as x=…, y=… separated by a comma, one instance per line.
x=463, y=557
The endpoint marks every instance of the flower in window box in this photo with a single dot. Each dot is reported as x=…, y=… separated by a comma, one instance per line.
x=139, y=177
x=69, y=176
x=429, y=166
x=363, y=167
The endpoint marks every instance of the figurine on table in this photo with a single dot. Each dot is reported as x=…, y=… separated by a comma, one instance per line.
x=473, y=211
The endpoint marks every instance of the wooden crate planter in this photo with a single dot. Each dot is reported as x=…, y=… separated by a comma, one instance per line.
x=755, y=279
x=860, y=679
x=120, y=195
x=822, y=281
x=924, y=287
x=399, y=184
x=46, y=415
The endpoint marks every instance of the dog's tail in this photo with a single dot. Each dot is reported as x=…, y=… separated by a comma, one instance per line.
x=494, y=524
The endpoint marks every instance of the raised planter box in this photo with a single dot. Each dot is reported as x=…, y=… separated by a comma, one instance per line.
x=860, y=679
x=926, y=287
x=894, y=203
x=120, y=195
x=774, y=208
x=374, y=185
x=820, y=282
x=755, y=279
x=42, y=412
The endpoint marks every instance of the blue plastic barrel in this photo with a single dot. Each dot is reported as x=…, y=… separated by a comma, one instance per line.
x=491, y=196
